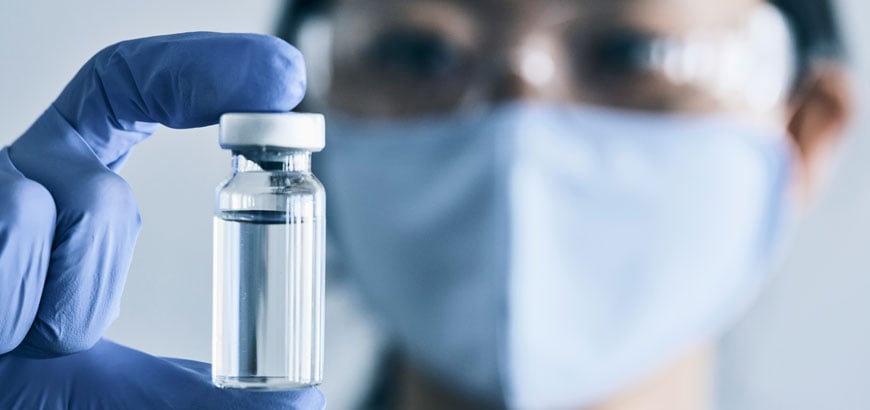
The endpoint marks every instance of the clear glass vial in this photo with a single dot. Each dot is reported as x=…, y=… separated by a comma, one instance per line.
x=269, y=245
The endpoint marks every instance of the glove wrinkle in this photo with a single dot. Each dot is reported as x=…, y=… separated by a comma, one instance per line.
x=27, y=220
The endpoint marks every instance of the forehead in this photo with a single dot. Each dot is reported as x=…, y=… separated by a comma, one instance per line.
x=654, y=15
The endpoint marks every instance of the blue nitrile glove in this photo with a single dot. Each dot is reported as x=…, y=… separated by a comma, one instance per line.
x=68, y=222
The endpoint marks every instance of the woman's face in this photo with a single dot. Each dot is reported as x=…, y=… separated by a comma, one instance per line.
x=407, y=58
x=394, y=58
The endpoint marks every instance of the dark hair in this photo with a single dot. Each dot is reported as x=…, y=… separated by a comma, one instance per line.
x=816, y=30
x=813, y=23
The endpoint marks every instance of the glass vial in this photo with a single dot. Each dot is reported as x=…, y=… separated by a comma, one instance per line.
x=269, y=245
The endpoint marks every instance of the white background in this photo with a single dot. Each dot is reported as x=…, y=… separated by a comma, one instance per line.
x=805, y=346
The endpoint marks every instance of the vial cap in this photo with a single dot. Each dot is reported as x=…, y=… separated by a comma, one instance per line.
x=288, y=130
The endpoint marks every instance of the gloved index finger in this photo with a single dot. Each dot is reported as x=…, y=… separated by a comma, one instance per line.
x=182, y=81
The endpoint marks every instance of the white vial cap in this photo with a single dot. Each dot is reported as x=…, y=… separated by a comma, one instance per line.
x=289, y=130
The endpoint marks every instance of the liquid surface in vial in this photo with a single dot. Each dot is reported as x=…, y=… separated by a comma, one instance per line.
x=268, y=296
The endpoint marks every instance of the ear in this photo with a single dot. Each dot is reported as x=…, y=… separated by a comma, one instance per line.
x=821, y=109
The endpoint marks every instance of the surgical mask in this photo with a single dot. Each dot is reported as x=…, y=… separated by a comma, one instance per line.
x=545, y=256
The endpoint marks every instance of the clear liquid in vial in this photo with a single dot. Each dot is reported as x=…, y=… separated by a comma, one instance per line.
x=268, y=300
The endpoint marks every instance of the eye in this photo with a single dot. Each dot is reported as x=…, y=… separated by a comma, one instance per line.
x=619, y=52
x=413, y=52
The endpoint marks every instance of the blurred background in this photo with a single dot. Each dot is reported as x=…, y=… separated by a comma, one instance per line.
x=806, y=344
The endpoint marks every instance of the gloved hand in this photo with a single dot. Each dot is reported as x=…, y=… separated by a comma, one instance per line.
x=68, y=222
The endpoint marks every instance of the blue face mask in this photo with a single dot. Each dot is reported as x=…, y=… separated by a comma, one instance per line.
x=545, y=256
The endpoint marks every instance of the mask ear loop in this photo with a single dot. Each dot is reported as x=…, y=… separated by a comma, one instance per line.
x=754, y=64
x=315, y=42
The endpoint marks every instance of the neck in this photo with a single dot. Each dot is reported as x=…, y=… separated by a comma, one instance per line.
x=685, y=384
